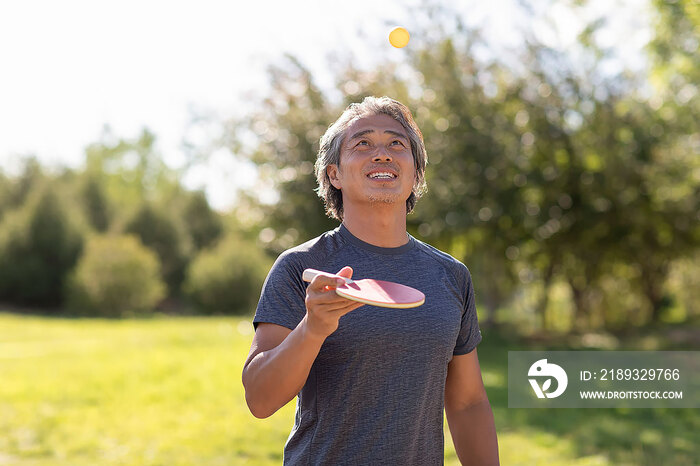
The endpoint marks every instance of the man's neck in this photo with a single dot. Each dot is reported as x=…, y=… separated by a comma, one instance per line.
x=383, y=226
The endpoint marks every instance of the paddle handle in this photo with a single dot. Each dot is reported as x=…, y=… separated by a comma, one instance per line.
x=310, y=274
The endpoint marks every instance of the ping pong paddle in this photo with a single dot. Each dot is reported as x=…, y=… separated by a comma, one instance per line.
x=373, y=292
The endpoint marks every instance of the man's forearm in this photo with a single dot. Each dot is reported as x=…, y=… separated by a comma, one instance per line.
x=274, y=377
x=474, y=434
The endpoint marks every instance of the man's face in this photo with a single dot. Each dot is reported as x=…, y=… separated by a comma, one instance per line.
x=376, y=163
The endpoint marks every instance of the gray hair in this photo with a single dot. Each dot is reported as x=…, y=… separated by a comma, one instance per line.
x=332, y=141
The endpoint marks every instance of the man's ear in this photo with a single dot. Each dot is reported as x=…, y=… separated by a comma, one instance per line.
x=333, y=172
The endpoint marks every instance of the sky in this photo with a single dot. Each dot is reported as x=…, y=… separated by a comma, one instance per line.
x=71, y=68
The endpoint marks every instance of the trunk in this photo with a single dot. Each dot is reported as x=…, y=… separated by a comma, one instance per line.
x=581, y=316
x=652, y=279
x=542, y=307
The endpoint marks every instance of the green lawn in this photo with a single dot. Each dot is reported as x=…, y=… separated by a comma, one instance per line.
x=167, y=391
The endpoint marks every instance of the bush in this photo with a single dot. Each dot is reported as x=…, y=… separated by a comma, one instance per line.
x=227, y=279
x=39, y=244
x=95, y=203
x=203, y=224
x=159, y=230
x=115, y=274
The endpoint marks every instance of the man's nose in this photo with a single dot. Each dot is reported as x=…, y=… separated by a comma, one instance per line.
x=382, y=156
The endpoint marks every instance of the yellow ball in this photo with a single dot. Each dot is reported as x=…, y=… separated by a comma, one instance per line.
x=399, y=38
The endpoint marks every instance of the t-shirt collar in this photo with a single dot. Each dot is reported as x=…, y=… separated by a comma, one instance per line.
x=345, y=233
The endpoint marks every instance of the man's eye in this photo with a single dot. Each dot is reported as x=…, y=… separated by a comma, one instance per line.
x=397, y=142
x=363, y=142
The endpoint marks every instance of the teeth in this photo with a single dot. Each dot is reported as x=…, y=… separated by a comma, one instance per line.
x=381, y=175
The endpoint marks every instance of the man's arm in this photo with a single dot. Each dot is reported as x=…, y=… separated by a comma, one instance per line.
x=280, y=359
x=469, y=413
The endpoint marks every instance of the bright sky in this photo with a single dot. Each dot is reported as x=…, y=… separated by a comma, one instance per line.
x=69, y=68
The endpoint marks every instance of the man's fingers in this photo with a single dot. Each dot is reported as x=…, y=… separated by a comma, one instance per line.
x=336, y=308
x=321, y=300
x=325, y=297
x=322, y=283
x=352, y=305
x=345, y=272
x=324, y=306
x=325, y=282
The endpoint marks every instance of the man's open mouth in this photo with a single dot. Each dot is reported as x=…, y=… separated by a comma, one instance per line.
x=382, y=176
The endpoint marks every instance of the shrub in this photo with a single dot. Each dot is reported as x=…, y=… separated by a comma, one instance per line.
x=228, y=278
x=159, y=230
x=203, y=224
x=115, y=274
x=39, y=244
x=95, y=203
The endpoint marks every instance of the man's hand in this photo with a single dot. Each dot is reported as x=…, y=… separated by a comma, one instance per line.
x=280, y=359
x=324, y=307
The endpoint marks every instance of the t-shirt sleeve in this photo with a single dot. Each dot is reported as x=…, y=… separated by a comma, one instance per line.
x=469, y=332
x=283, y=293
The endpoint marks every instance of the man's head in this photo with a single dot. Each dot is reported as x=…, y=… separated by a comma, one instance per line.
x=333, y=146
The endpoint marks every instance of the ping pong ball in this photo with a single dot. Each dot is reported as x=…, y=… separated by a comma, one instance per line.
x=399, y=38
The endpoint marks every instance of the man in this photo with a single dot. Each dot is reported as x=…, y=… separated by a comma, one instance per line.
x=371, y=382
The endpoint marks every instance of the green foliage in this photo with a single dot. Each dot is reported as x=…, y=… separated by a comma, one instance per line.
x=130, y=171
x=675, y=48
x=115, y=275
x=684, y=283
x=39, y=244
x=5, y=193
x=125, y=188
x=547, y=171
x=228, y=278
x=203, y=224
x=96, y=205
x=289, y=125
x=161, y=232
x=554, y=170
x=14, y=192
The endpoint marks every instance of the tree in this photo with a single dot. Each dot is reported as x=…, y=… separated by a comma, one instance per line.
x=288, y=127
x=203, y=224
x=39, y=244
x=550, y=170
x=130, y=170
x=95, y=204
x=159, y=231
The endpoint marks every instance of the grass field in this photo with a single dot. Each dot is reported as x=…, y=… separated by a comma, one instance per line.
x=167, y=391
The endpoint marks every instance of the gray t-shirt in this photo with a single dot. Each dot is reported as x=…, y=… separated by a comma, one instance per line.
x=375, y=393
